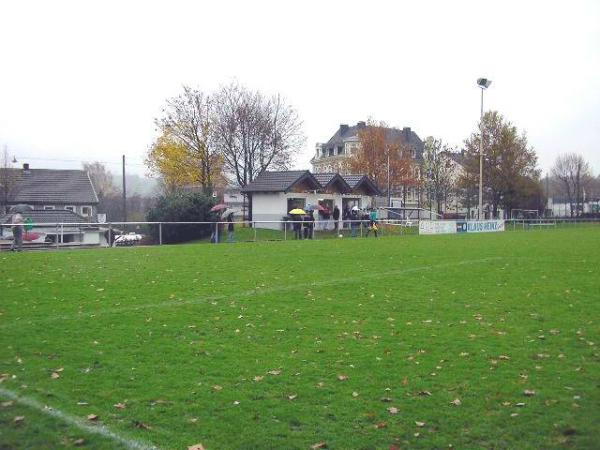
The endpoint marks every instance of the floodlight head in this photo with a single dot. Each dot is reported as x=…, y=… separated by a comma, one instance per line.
x=483, y=83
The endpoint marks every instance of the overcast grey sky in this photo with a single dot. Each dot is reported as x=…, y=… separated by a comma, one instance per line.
x=83, y=80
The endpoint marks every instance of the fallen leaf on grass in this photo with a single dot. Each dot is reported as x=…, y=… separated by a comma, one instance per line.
x=274, y=372
x=216, y=387
x=318, y=445
x=258, y=378
x=519, y=405
x=82, y=403
x=79, y=442
x=404, y=381
x=420, y=424
x=456, y=402
x=196, y=447
x=292, y=397
x=424, y=393
x=504, y=357
x=120, y=405
x=236, y=402
x=393, y=410
x=381, y=425
x=7, y=403
x=19, y=419
x=55, y=375
x=342, y=377
x=528, y=393
x=514, y=414
x=142, y=425
x=355, y=394
x=92, y=417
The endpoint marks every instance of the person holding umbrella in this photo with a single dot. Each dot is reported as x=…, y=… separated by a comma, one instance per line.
x=296, y=215
x=17, y=229
x=218, y=209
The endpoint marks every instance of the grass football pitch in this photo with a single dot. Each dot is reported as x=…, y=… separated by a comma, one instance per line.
x=464, y=341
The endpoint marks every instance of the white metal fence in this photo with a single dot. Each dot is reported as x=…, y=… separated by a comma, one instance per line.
x=115, y=234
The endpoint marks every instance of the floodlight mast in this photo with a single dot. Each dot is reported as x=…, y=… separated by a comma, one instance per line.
x=483, y=83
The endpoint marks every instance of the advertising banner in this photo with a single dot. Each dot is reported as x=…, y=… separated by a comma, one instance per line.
x=437, y=226
x=460, y=226
x=480, y=226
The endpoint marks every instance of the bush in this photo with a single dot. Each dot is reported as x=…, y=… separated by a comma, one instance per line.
x=182, y=207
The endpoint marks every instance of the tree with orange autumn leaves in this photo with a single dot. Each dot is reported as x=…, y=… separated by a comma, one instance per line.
x=377, y=143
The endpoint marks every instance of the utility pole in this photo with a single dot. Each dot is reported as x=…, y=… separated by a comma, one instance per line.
x=124, y=193
x=480, y=216
x=483, y=83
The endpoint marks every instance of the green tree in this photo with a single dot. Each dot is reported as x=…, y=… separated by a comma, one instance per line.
x=507, y=160
x=182, y=207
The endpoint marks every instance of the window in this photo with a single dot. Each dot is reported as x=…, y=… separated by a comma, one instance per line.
x=86, y=211
x=330, y=151
x=340, y=150
x=48, y=207
x=70, y=208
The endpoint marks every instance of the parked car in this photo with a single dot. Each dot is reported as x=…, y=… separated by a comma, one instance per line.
x=127, y=239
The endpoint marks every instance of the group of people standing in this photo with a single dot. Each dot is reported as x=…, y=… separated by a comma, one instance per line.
x=304, y=224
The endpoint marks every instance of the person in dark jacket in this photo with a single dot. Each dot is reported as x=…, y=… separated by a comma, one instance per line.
x=309, y=225
x=336, y=218
x=354, y=222
x=297, y=225
x=230, y=228
x=346, y=216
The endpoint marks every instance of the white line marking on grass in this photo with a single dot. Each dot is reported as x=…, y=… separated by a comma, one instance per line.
x=250, y=292
x=101, y=430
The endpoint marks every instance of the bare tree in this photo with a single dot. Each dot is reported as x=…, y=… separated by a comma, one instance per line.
x=8, y=179
x=572, y=172
x=253, y=132
x=102, y=179
x=439, y=172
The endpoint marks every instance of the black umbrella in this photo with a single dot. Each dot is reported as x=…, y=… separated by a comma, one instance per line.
x=20, y=209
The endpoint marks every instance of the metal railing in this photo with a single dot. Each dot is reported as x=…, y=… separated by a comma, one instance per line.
x=115, y=234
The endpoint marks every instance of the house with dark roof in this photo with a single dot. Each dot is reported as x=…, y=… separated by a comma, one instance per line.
x=52, y=226
x=48, y=189
x=334, y=155
x=272, y=194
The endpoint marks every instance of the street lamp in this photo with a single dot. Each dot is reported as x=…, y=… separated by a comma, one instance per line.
x=483, y=83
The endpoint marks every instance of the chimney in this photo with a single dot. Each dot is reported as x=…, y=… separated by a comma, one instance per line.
x=26, y=167
x=361, y=125
x=406, y=133
x=343, y=129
